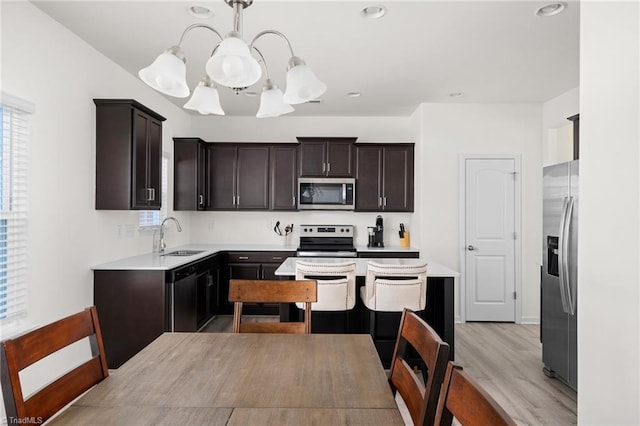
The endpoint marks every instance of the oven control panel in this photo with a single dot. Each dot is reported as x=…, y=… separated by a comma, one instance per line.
x=326, y=230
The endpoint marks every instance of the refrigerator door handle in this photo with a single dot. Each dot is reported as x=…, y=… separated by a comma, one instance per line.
x=563, y=255
x=567, y=281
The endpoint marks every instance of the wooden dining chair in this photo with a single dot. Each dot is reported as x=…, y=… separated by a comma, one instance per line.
x=272, y=291
x=20, y=352
x=420, y=395
x=462, y=398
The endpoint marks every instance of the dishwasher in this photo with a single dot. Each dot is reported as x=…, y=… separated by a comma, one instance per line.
x=183, y=294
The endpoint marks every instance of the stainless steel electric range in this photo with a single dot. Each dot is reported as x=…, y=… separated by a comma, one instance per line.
x=326, y=241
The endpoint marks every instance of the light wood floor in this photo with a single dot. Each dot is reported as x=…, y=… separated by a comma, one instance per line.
x=507, y=360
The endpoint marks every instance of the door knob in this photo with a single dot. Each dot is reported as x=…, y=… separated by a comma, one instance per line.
x=471, y=248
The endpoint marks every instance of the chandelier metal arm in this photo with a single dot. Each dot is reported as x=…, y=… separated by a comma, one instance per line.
x=264, y=62
x=191, y=27
x=278, y=33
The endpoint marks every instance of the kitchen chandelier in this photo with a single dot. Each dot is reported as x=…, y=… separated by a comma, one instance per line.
x=232, y=65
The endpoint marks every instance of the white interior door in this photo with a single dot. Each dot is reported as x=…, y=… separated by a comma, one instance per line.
x=490, y=239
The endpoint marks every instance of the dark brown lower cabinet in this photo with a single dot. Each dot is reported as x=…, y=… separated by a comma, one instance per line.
x=251, y=265
x=135, y=306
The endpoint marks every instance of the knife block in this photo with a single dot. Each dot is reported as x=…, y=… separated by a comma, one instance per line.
x=405, y=241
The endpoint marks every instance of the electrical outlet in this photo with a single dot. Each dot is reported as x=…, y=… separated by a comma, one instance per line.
x=211, y=224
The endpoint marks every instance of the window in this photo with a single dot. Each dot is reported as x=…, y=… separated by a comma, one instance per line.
x=152, y=218
x=14, y=202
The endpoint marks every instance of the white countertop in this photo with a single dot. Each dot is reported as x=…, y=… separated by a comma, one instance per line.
x=288, y=267
x=155, y=262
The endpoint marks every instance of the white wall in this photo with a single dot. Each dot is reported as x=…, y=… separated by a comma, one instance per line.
x=609, y=231
x=45, y=64
x=452, y=130
x=557, y=142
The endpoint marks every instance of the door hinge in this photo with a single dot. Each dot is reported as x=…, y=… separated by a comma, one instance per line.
x=515, y=295
x=515, y=175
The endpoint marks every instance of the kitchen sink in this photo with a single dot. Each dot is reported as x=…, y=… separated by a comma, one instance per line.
x=183, y=253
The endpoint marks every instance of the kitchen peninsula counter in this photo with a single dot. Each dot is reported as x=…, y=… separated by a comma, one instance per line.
x=155, y=262
x=288, y=267
x=439, y=311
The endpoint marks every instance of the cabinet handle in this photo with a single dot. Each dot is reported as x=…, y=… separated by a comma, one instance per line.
x=277, y=257
x=201, y=200
x=237, y=200
x=234, y=200
x=384, y=203
x=151, y=194
x=243, y=257
x=293, y=201
x=379, y=201
x=324, y=167
x=328, y=167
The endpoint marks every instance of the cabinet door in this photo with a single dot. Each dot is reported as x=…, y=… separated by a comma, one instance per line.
x=147, y=161
x=312, y=158
x=189, y=172
x=284, y=178
x=253, y=177
x=340, y=156
x=397, y=178
x=141, y=193
x=222, y=177
x=368, y=178
x=154, y=164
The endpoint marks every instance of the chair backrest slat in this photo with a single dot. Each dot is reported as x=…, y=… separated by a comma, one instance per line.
x=19, y=352
x=272, y=291
x=421, y=399
x=465, y=400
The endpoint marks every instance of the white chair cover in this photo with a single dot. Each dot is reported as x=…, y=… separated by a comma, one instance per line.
x=391, y=288
x=334, y=294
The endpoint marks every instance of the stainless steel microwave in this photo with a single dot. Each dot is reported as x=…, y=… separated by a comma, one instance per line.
x=326, y=193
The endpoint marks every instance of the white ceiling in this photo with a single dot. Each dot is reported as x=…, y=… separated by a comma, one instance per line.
x=421, y=51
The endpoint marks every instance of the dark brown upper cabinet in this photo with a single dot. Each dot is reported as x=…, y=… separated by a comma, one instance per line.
x=238, y=176
x=190, y=174
x=384, y=177
x=284, y=177
x=128, y=156
x=329, y=157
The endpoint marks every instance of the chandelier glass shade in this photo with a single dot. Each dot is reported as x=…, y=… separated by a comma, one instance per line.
x=233, y=65
x=168, y=73
x=272, y=103
x=205, y=98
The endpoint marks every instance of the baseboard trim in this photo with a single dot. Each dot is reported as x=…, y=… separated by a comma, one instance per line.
x=529, y=320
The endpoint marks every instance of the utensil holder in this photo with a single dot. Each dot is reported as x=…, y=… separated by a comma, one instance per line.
x=405, y=241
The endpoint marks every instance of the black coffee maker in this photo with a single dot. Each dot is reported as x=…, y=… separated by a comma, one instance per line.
x=378, y=240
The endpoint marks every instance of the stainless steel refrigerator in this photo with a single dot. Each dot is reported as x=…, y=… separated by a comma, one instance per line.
x=559, y=289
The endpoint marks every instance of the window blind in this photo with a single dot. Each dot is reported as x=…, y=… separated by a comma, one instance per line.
x=152, y=218
x=14, y=202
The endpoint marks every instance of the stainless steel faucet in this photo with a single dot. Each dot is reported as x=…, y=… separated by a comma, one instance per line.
x=162, y=244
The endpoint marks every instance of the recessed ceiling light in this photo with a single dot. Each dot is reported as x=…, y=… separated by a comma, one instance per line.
x=373, y=12
x=550, y=9
x=455, y=94
x=314, y=101
x=200, y=11
x=353, y=94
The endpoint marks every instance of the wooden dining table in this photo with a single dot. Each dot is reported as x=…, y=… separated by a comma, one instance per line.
x=243, y=379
